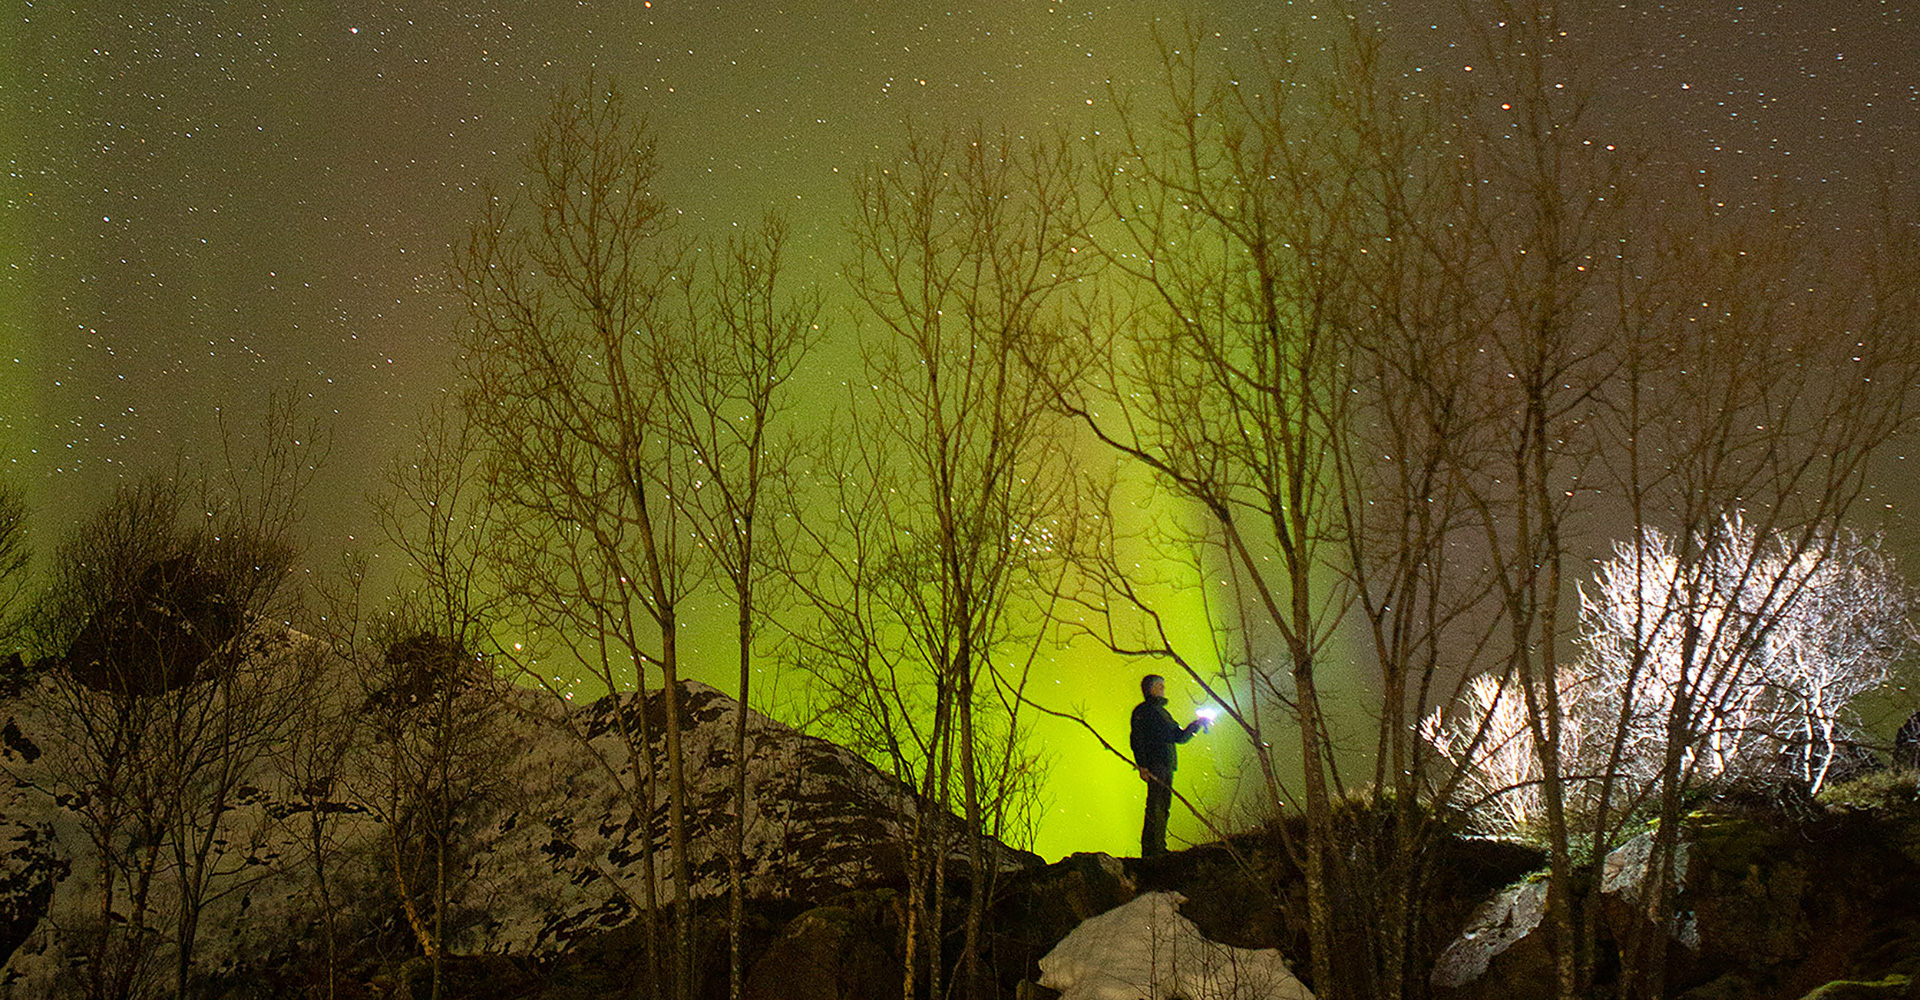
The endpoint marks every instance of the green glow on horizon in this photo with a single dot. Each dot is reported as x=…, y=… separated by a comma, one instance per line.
x=344, y=199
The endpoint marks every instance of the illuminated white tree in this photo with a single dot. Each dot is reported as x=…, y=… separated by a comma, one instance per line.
x=1750, y=649
x=1493, y=767
x=1754, y=649
x=1851, y=623
x=1486, y=739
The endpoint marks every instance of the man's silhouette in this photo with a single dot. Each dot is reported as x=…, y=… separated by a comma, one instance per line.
x=1153, y=739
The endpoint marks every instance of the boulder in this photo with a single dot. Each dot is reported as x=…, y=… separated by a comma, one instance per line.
x=840, y=951
x=1034, y=910
x=1499, y=928
x=1502, y=950
x=1236, y=891
x=1769, y=903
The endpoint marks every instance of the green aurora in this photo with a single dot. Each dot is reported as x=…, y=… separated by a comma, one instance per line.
x=212, y=203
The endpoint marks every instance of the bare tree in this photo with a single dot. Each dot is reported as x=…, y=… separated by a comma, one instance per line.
x=1854, y=622
x=1666, y=363
x=1755, y=373
x=747, y=334
x=315, y=766
x=173, y=677
x=408, y=726
x=950, y=485
x=1540, y=220
x=1782, y=666
x=1366, y=366
x=15, y=596
x=567, y=359
x=1233, y=226
x=14, y=558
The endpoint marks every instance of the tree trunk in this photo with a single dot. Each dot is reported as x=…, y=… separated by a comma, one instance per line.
x=736, y=907
x=1319, y=814
x=677, y=815
x=976, y=846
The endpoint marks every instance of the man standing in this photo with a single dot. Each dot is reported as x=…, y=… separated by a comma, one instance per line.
x=1153, y=739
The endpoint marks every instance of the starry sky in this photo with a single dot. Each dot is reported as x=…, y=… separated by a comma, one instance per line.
x=206, y=202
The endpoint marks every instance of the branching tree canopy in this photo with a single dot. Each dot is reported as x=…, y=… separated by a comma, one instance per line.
x=568, y=356
x=14, y=593
x=1778, y=665
x=171, y=677
x=951, y=484
x=1776, y=671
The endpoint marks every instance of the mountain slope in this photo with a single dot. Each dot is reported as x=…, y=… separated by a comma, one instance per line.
x=553, y=853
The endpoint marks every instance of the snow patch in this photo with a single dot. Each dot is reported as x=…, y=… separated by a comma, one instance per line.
x=1147, y=949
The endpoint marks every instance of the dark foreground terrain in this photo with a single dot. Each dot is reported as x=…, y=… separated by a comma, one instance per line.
x=1784, y=898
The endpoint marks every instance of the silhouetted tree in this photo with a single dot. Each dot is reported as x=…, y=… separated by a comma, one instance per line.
x=173, y=676
x=567, y=361
x=747, y=333
x=950, y=485
x=14, y=593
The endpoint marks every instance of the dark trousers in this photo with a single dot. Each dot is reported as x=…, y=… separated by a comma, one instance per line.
x=1153, y=833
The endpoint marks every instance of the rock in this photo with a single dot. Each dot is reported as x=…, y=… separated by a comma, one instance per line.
x=157, y=632
x=1906, y=743
x=31, y=864
x=1502, y=950
x=1747, y=895
x=841, y=951
x=1768, y=904
x=1230, y=889
x=1494, y=930
x=1728, y=987
x=1036, y=909
x=1625, y=871
x=1147, y=949
x=558, y=860
x=1890, y=988
x=820, y=820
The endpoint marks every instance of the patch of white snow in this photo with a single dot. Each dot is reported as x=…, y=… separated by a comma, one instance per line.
x=1146, y=949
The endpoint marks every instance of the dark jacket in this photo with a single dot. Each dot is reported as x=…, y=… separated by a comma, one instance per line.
x=1155, y=734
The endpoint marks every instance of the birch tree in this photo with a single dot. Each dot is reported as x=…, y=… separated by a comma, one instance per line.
x=173, y=677
x=950, y=488
x=571, y=335
x=747, y=334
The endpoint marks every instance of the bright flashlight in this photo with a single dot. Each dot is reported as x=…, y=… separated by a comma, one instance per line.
x=1207, y=713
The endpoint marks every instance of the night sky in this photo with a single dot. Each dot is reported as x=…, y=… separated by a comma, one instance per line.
x=208, y=202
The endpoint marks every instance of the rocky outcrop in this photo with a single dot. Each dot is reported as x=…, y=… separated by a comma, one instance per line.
x=1034, y=909
x=30, y=867
x=819, y=820
x=842, y=950
x=556, y=858
x=1501, y=925
x=1769, y=905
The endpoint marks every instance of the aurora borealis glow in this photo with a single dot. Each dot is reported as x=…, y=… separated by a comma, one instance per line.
x=208, y=202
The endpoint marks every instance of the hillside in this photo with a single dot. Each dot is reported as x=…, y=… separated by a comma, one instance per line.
x=1780, y=899
x=553, y=855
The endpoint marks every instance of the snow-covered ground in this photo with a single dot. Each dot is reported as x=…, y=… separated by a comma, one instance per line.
x=559, y=857
x=1146, y=949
